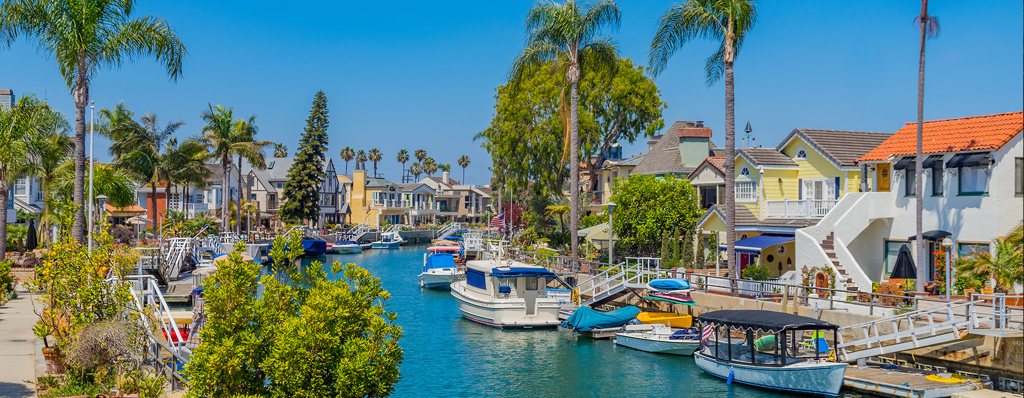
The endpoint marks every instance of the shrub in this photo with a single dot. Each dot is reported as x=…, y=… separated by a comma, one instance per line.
x=7, y=282
x=757, y=272
x=121, y=234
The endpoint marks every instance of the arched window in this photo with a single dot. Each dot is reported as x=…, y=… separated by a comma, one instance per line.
x=801, y=154
x=745, y=171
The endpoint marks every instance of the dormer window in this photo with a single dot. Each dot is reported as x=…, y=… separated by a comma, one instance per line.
x=801, y=154
x=745, y=171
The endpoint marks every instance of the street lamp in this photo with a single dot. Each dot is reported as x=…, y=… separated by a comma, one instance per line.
x=101, y=202
x=947, y=243
x=611, y=233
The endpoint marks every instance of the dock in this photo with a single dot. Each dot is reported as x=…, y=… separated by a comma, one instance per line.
x=895, y=381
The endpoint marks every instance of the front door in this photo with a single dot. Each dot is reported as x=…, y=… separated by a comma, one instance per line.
x=883, y=177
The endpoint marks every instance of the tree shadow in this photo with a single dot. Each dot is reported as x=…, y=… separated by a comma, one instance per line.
x=15, y=390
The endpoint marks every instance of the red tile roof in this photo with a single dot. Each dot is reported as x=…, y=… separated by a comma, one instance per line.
x=951, y=135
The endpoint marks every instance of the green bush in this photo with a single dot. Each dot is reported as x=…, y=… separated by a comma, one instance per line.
x=6, y=282
x=757, y=272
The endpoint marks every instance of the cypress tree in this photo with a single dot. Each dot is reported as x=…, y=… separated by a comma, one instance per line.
x=687, y=257
x=666, y=258
x=701, y=261
x=306, y=175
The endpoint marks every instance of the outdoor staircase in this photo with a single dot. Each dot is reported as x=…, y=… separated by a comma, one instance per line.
x=357, y=233
x=177, y=250
x=843, y=279
x=147, y=299
x=447, y=230
x=943, y=324
x=617, y=280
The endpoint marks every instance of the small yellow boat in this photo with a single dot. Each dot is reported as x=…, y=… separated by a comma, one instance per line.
x=666, y=318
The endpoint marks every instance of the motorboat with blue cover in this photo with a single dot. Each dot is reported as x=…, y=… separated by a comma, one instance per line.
x=586, y=318
x=659, y=339
x=439, y=271
x=346, y=247
x=314, y=247
x=506, y=295
x=773, y=350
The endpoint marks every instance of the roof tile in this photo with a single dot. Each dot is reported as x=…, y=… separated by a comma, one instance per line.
x=951, y=135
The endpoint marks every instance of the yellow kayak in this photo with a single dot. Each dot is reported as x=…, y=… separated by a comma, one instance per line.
x=666, y=318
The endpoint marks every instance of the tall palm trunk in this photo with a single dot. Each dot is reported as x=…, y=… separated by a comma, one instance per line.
x=152, y=199
x=3, y=215
x=238, y=199
x=225, y=190
x=918, y=170
x=730, y=167
x=81, y=95
x=574, y=170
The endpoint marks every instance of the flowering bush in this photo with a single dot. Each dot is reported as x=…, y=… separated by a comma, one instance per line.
x=7, y=282
x=940, y=271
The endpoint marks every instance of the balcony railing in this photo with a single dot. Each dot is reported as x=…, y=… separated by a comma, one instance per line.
x=803, y=208
x=400, y=204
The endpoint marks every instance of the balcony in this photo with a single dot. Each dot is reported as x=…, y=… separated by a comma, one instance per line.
x=804, y=208
x=390, y=203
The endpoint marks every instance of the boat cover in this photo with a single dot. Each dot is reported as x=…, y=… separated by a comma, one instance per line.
x=584, y=318
x=669, y=284
x=515, y=272
x=314, y=245
x=765, y=321
x=439, y=260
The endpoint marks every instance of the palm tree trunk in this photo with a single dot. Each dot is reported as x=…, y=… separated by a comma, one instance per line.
x=463, y=176
x=918, y=170
x=574, y=173
x=81, y=94
x=238, y=199
x=730, y=177
x=225, y=190
x=3, y=217
x=152, y=199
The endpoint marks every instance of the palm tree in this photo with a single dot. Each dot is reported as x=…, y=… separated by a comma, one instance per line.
x=47, y=150
x=17, y=125
x=185, y=165
x=246, y=130
x=361, y=159
x=420, y=155
x=280, y=151
x=375, y=156
x=446, y=167
x=403, y=156
x=464, y=162
x=83, y=37
x=726, y=22
x=1003, y=267
x=348, y=154
x=568, y=36
x=113, y=182
x=224, y=137
x=559, y=212
x=415, y=170
x=429, y=166
x=929, y=26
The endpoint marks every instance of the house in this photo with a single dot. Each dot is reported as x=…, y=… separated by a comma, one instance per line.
x=973, y=193
x=457, y=202
x=609, y=170
x=679, y=151
x=195, y=201
x=709, y=181
x=375, y=201
x=784, y=189
x=265, y=188
x=27, y=195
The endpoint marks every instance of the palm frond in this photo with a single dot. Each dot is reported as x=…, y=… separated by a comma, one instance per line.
x=682, y=23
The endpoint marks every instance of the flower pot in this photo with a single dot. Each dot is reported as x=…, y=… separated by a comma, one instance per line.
x=54, y=360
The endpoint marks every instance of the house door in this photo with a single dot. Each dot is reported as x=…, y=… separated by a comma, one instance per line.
x=883, y=177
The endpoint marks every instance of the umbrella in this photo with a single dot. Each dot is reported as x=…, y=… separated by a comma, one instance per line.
x=137, y=221
x=30, y=242
x=904, y=268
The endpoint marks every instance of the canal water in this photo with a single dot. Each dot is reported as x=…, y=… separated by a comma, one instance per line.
x=446, y=355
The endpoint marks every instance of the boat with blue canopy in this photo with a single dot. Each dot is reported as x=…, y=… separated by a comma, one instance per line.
x=669, y=285
x=439, y=271
x=507, y=295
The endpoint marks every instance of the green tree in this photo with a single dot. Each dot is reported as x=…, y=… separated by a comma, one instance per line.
x=83, y=37
x=726, y=22
x=568, y=35
x=648, y=207
x=464, y=163
x=1002, y=267
x=306, y=175
x=687, y=256
x=347, y=154
x=225, y=137
x=47, y=149
x=314, y=334
x=360, y=160
x=403, y=156
x=701, y=258
x=374, y=156
x=138, y=147
x=429, y=166
x=185, y=165
x=108, y=180
x=280, y=151
x=420, y=155
x=415, y=171
x=445, y=167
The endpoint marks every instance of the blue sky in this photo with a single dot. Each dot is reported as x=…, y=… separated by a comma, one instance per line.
x=422, y=74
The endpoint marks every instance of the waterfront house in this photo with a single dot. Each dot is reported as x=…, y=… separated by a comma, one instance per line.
x=610, y=169
x=973, y=193
x=458, y=202
x=197, y=200
x=783, y=189
x=25, y=194
x=375, y=201
x=679, y=151
x=708, y=179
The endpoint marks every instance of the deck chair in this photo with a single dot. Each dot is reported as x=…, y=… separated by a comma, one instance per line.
x=987, y=291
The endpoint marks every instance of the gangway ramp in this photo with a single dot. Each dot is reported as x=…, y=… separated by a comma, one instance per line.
x=447, y=230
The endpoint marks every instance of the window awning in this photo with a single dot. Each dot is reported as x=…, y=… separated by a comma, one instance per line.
x=755, y=244
x=902, y=164
x=931, y=235
x=931, y=160
x=968, y=160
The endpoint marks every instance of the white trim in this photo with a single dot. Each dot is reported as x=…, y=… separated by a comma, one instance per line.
x=797, y=155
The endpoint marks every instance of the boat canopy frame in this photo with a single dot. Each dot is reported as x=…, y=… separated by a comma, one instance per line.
x=782, y=326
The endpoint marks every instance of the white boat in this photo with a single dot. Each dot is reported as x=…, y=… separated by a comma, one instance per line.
x=346, y=247
x=506, y=295
x=388, y=240
x=797, y=365
x=439, y=271
x=658, y=339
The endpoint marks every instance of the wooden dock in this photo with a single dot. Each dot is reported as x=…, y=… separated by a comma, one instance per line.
x=907, y=382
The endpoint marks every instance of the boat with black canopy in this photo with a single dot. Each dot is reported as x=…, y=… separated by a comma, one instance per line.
x=772, y=350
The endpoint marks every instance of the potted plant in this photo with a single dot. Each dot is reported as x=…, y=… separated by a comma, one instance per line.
x=53, y=356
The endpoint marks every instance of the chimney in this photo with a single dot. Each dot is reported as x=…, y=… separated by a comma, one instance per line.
x=444, y=177
x=694, y=144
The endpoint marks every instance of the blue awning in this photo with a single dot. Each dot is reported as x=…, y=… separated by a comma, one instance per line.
x=755, y=244
x=515, y=272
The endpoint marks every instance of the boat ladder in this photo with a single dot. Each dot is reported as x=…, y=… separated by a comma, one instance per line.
x=447, y=230
x=917, y=329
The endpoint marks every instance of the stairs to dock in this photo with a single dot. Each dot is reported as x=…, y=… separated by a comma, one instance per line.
x=357, y=233
x=830, y=250
x=447, y=230
x=616, y=280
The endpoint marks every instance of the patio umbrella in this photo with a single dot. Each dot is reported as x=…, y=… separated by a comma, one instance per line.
x=30, y=242
x=136, y=222
x=904, y=268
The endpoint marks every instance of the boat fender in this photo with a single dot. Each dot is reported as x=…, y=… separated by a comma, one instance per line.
x=729, y=380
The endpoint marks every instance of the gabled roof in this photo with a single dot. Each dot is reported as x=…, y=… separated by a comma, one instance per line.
x=714, y=162
x=377, y=182
x=631, y=161
x=951, y=135
x=412, y=186
x=344, y=178
x=663, y=158
x=840, y=147
x=765, y=157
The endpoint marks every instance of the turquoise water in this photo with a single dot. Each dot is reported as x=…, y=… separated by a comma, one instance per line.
x=446, y=355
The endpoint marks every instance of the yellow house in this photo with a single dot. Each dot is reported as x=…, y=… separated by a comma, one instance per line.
x=791, y=186
x=374, y=201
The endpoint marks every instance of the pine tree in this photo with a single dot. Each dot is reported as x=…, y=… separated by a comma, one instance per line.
x=302, y=190
x=701, y=261
x=666, y=258
x=687, y=256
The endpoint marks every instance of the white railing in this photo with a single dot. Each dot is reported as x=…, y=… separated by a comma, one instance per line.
x=803, y=208
x=390, y=203
x=1004, y=320
x=148, y=300
x=916, y=329
x=447, y=230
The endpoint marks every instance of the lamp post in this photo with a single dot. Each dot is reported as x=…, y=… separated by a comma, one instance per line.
x=947, y=243
x=92, y=163
x=611, y=233
x=101, y=202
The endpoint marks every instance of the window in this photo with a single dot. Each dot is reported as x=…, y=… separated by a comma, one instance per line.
x=199, y=197
x=21, y=187
x=973, y=180
x=745, y=171
x=746, y=191
x=801, y=154
x=910, y=178
x=937, y=178
x=531, y=283
x=280, y=185
x=892, y=249
x=965, y=249
x=708, y=195
x=253, y=197
x=819, y=189
x=1018, y=177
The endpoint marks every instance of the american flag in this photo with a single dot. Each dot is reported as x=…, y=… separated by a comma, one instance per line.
x=498, y=221
x=706, y=333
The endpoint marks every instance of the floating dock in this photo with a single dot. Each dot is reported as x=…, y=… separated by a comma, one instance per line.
x=895, y=381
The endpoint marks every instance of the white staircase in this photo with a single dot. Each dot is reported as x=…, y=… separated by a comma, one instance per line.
x=357, y=233
x=613, y=281
x=177, y=250
x=147, y=299
x=447, y=230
